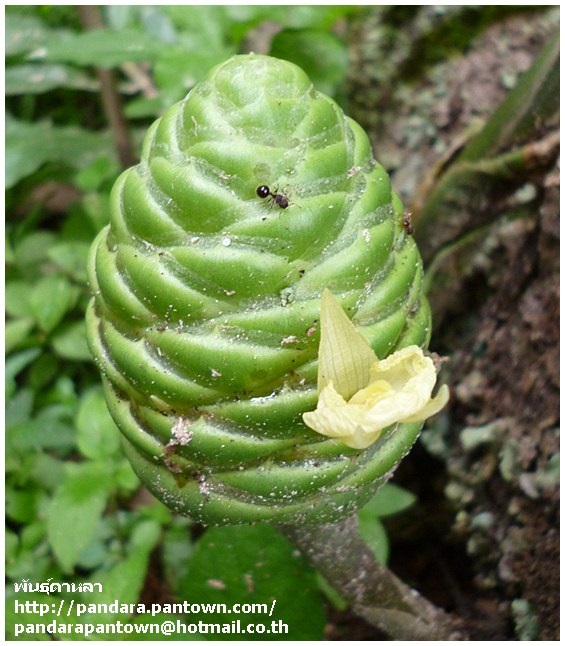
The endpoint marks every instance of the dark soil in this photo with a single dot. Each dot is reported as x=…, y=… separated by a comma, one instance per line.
x=483, y=542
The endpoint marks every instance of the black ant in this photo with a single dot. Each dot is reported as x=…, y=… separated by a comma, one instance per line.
x=264, y=191
x=407, y=223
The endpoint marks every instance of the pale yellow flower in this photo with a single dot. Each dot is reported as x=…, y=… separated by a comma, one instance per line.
x=359, y=395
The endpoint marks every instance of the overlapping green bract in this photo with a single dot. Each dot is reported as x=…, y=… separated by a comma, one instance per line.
x=205, y=313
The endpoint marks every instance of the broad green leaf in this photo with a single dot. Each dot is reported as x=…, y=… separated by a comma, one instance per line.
x=47, y=471
x=30, y=565
x=15, y=364
x=64, y=392
x=534, y=99
x=17, y=295
x=11, y=544
x=145, y=535
x=177, y=551
x=158, y=24
x=92, y=176
x=33, y=535
x=374, y=534
x=331, y=593
x=142, y=108
x=31, y=250
x=70, y=342
x=178, y=69
x=75, y=512
x=39, y=78
x=43, y=371
x=120, y=16
x=125, y=580
x=16, y=332
x=97, y=435
x=199, y=25
x=19, y=408
x=102, y=48
x=314, y=16
x=68, y=145
x=126, y=478
x=51, y=298
x=21, y=506
x=50, y=429
x=255, y=564
x=23, y=33
x=389, y=500
x=320, y=53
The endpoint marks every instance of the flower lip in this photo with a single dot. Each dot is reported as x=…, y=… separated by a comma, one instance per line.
x=359, y=395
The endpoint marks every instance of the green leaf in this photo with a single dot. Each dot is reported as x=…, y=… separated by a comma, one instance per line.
x=178, y=69
x=97, y=435
x=17, y=298
x=177, y=551
x=50, y=429
x=102, y=48
x=21, y=506
x=71, y=257
x=19, y=408
x=16, y=332
x=23, y=33
x=203, y=25
x=126, y=478
x=255, y=564
x=47, y=471
x=372, y=531
x=33, y=535
x=331, y=593
x=321, y=54
x=391, y=499
x=31, y=250
x=157, y=23
x=40, y=78
x=75, y=512
x=15, y=364
x=43, y=371
x=70, y=145
x=51, y=298
x=70, y=342
x=11, y=544
x=315, y=16
x=145, y=535
x=92, y=176
x=534, y=99
x=125, y=580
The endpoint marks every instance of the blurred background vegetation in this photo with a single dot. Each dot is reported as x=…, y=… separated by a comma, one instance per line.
x=462, y=107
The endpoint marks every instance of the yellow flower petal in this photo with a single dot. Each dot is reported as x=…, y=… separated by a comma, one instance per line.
x=432, y=407
x=358, y=401
x=336, y=418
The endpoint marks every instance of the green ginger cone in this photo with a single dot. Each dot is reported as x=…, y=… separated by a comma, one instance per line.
x=206, y=307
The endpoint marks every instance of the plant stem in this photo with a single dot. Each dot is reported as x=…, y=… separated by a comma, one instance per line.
x=91, y=18
x=374, y=592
